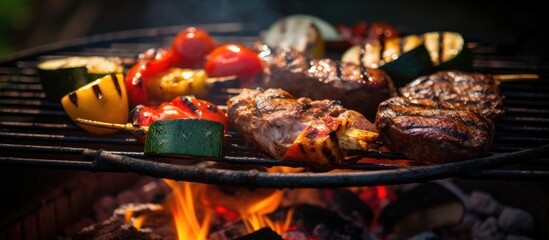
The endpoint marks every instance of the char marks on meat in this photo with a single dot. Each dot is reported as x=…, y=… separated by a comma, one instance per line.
x=433, y=132
x=357, y=87
x=272, y=119
x=474, y=91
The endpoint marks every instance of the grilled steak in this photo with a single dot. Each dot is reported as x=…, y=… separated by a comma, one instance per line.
x=357, y=87
x=433, y=132
x=475, y=91
x=275, y=121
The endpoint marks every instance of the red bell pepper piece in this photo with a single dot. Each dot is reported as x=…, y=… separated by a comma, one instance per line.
x=179, y=107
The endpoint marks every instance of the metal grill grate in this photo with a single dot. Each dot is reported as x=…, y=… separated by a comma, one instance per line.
x=37, y=133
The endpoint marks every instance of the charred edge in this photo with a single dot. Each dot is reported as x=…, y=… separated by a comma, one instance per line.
x=363, y=70
x=189, y=104
x=74, y=98
x=462, y=137
x=440, y=47
x=302, y=148
x=332, y=135
x=381, y=50
x=328, y=153
x=211, y=108
x=116, y=84
x=97, y=91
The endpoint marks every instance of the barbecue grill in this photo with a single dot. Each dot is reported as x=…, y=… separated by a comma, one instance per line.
x=36, y=133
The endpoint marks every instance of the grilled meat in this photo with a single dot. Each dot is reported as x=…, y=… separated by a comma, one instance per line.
x=357, y=87
x=475, y=91
x=433, y=132
x=299, y=129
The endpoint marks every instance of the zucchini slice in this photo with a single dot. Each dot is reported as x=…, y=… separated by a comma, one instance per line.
x=298, y=32
x=63, y=75
x=448, y=51
x=407, y=58
x=103, y=100
x=404, y=59
x=187, y=137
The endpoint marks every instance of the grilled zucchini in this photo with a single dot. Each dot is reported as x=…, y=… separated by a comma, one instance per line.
x=63, y=75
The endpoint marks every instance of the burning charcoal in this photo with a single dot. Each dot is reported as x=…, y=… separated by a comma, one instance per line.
x=114, y=228
x=137, y=209
x=487, y=230
x=321, y=223
x=352, y=208
x=296, y=235
x=424, y=208
x=513, y=220
x=263, y=234
x=484, y=204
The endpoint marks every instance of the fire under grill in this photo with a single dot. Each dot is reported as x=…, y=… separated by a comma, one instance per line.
x=36, y=133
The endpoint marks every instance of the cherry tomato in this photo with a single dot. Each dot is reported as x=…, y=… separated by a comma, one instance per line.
x=234, y=59
x=146, y=67
x=191, y=45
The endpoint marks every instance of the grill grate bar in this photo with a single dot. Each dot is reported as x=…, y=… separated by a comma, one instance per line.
x=63, y=138
x=51, y=164
x=36, y=125
x=33, y=112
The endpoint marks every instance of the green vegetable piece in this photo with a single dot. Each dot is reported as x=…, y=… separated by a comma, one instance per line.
x=64, y=75
x=187, y=137
x=56, y=83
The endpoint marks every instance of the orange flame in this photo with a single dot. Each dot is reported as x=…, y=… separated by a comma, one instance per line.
x=184, y=214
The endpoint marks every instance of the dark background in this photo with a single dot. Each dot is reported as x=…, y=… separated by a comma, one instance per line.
x=518, y=25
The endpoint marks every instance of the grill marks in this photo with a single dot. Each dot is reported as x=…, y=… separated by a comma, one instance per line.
x=97, y=91
x=473, y=91
x=433, y=132
x=440, y=47
x=190, y=105
x=74, y=98
x=357, y=87
x=283, y=126
x=363, y=71
x=116, y=84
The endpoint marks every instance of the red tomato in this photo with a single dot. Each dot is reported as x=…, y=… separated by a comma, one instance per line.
x=146, y=67
x=191, y=45
x=234, y=59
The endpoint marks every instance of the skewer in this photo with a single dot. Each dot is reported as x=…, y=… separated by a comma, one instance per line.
x=213, y=80
x=511, y=77
x=128, y=126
